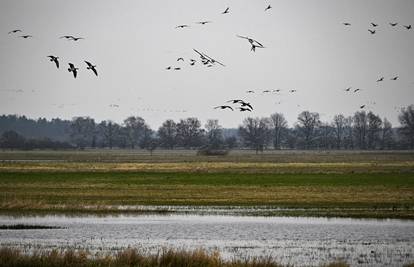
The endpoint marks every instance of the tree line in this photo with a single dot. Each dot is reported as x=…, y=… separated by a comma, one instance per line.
x=363, y=130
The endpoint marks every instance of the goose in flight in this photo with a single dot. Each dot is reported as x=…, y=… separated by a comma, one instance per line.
x=91, y=67
x=245, y=104
x=168, y=68
x=180, y=58
x=348, y=89
x=77, y=38
x=177, y=68
x=250, y=91
x=380, y=79
x=268, y=7
x=276, y=91
x=223, y=107
x=203, y=22
x=292, y=91
x=408, y=27
x=67, y=37
x=266, y=91
x=371, y=31
x=182, y=26
x=235, y=101
x=394, y=78
x=73, y=70
x=244, y=109
x=347, y=24
x=255, y=44
x=26, y=36
x=206, y=59
x=356, y=90
x=54, y=59
x=361, y=107
x=393, y=24
x=374, y=24
x=14, y=31
x=226, y=11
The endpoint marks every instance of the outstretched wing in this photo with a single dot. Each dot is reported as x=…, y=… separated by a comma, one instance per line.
x=94, y=71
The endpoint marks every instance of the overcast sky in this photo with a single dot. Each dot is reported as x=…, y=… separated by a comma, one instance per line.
x=307, y=48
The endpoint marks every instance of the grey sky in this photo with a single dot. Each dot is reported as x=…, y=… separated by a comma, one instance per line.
x=132, y=42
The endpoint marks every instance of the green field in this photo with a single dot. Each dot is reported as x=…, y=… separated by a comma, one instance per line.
x=348, y=184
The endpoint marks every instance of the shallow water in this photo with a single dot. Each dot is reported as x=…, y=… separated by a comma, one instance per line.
x=297, y=241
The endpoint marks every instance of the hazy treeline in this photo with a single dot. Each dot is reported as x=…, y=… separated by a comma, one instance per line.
x=363, y=130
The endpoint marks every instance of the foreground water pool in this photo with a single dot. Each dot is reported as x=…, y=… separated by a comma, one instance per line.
x=296, y=241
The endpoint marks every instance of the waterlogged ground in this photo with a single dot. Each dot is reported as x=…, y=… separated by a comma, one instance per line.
x=297, y=241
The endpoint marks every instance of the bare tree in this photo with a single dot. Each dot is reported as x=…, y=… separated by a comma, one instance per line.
x=134, y=127
x=339, y=129
x=83, y=131
x=374, y=128
x=255, y=133
x=189, y=133
x=167, y=134
x=307, y=124
x=109, y=132
x=386, y=134
x=279, y=126
x=348, y=141
x=325, y=135
x=214, y=134
x=360, y=128
x=406, y=119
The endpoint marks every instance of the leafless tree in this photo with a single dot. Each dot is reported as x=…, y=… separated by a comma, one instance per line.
x=214, y=134
x=307, y=124
x=374, y=128
x=339, y=129
x=406, y=119
x=279, y=125
x=360, y=128
x=167, y=134
x=255, y=133
x=386, y=134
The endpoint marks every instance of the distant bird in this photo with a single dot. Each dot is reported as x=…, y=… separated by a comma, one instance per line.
x=266, y=91
x=277, y=90
x=408, y=27
x=73, y=70
x=245, y=104
x=361, y=107
x=347, y=24
x=180, y=58
x=380, y=79
x=203, y=22
x=223, y=107
x=371, y=31
x=292, y=91
x=393, y=24
x=348, y=89
x=235, y=101
x=67, y=37
x=394, y=78
x=54, y=59
x=268, y=7
x=14, y=31
x=356, y=90
x=26, y=36
x=245, y=109
x=250, y=91
x=192, y=63
x=91, y=67
x=168, y=68
x=182, y=26
x=206, y=59
x=177, y=68
x=77, y=38
x=374, y=25
x=226, y=11
x=255, y=44
x=114, y=106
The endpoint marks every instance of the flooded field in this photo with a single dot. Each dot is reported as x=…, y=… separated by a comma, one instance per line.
x=297, y=241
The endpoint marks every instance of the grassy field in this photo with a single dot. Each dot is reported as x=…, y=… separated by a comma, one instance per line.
x=347, y=184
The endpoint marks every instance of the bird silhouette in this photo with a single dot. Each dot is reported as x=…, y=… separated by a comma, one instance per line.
x=180, y=58
x=67, y=37
x=361, y=107
x=246, y=104
x=371, y=31
x=226, y=11
x=177, y=68
x=192, y=63
x=168, y=68
x=54, y=59
x=26, y=36
x=394, y=78
x=276, y=91
x=348, y=89
x=268, y=7
x=203, y=22
x=408, y=27
x=393, y=24
x=235, y=101
x=292, y=91
x=255, y=44
x=206, y=59
x=223, y=107
x=77, y=38
x=250, y=91
x=356, y=90
x=244, y=109
x=347, y=24
x=374, y=24
x=266, y=91
x=14, y=31
x=182, y=26
x=73, y=70
x=380, y=79
x=91, y=67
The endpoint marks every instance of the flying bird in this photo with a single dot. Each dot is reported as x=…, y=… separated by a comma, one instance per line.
x=180, y=58
x=277, y=90
x=245, y=104
x=73, y=69
x=77, y=38
x=394, y=78
x=408, y=27
x=268, y=7
x=266, y=91
x=91, y=67
x=348, y=89
x=206, y=59
x=226, y=11
x=356, y=90
x=203, y=22
x=361, y=107
x=67, y=37
x=245, y=109
x=235, y=101
x=374, y=24
x=347, y=24
x=292, y=91
x=223, y=107
x=182, y=26
x=177, y=68
x=250, y=91
x=371, y=31
x=255, y=44
x=168, y=68
x=14, y=31
x=393, y=24
x=54, y=59
x=380, y=79
x=26, y=36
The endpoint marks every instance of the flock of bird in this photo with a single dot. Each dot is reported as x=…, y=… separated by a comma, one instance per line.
x=72, y=68
x=375, y=25
x=244, y=106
